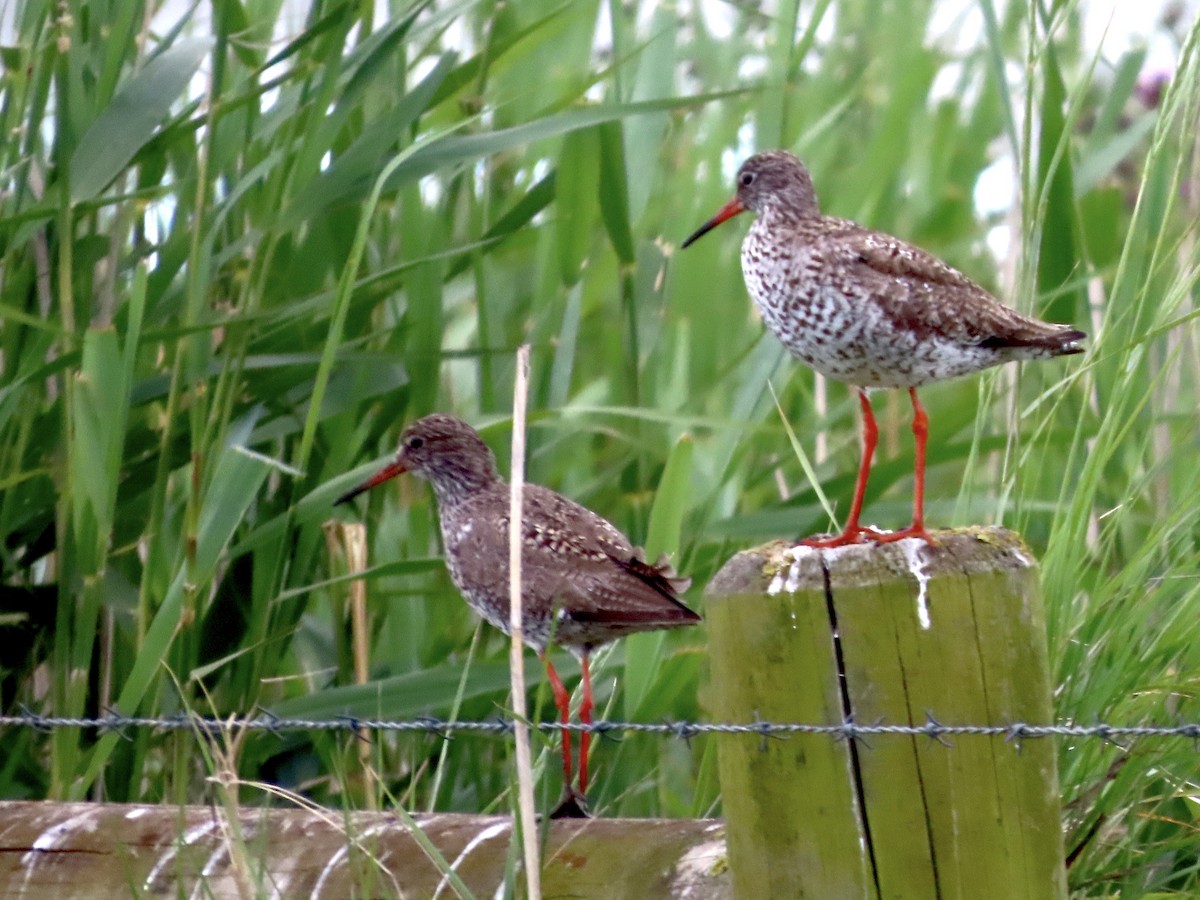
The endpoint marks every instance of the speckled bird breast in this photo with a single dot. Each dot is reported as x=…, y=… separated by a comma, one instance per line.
x=829, y=322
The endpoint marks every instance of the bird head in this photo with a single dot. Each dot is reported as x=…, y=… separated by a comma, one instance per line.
x=445, y=451
x=774, y=181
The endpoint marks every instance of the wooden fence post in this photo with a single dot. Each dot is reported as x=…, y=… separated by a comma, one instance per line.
x=898, y=633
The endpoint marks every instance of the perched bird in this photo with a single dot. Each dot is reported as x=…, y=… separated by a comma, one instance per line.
x=870, y=310
x=582, y=583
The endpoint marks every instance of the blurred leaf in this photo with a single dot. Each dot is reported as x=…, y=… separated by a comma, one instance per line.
x=130, y=120
x=643, y=652
x=1100, y=161
x=576, y=200
x=99, y=420
x=672, y=500
x=1101, y=213
x=231, y=19
x=452, y=150
x=1128, y=69
x=426, y=692
x=1058, y=263
x=614, y=191
x=353, y=171
x=518, y=215
x=233, y=488
x=501, y=40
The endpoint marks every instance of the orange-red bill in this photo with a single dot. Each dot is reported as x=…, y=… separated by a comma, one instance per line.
x=391, y=470
x=728, y=211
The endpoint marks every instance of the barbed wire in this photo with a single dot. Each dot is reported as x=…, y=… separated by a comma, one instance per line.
x=846, y=730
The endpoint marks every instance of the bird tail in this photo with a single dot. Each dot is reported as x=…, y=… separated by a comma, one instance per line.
x=661, y=576
x=1059, y=340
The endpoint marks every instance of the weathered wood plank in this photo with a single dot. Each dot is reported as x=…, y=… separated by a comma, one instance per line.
x=95, y=850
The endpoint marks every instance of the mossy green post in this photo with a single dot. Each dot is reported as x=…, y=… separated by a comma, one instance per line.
x=895, y=633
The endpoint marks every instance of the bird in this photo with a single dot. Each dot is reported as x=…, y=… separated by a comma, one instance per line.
x=583, y=583
x=870, y=310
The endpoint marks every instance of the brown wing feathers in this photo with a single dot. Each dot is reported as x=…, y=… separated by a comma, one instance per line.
x=990, y=323
x=635, y=602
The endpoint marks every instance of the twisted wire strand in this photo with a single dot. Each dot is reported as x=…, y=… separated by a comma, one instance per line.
x=685, y=730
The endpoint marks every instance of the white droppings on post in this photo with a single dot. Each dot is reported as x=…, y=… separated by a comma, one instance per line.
x=911, y=547
x=486, y=835
x=832, y=554
x=137, y=812
x=793, y=577
x=791, y=580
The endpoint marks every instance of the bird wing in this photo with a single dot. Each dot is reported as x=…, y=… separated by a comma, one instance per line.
x=577, y=562
x=607, y=578
x=935, y=299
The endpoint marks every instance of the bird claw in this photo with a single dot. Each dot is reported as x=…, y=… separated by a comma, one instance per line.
x=860, y=534
x=573, y=805
x=855, y=535
x=890, y=537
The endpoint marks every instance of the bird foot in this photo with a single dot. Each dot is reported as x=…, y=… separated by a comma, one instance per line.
x=859, y=534
x=890, y=537
x=855, y=535
x=573, y=805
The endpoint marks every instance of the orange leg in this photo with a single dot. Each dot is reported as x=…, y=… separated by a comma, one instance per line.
x=854, y=533
x=585, y=716
x=920, y=427
x=562, y=700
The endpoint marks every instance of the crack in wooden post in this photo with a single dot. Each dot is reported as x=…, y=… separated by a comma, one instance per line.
x=848, y=716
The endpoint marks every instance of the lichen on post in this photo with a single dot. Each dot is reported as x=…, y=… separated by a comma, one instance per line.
x=901, y=633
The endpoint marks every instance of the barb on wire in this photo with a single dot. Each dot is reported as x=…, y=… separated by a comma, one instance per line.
x=933, y=729
x=1013, y=732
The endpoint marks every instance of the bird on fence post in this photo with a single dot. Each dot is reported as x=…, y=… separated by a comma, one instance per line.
x=870, y=310
x=583, y=583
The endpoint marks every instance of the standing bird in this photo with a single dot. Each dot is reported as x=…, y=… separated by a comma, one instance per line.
x=582, y=583
x=868, y=309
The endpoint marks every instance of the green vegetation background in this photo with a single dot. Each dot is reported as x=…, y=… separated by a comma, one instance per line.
x=216, y=315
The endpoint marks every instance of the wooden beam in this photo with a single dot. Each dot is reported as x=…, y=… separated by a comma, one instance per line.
x=895, y=633
x=101, y=850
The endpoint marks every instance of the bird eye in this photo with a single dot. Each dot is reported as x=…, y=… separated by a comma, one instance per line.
x=415, y=443
x=747, y=179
